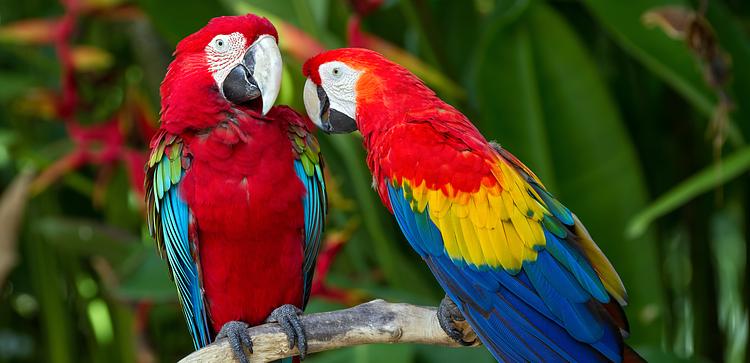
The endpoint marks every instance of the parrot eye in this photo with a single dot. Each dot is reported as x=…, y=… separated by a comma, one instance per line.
x=220, y=43
x=336, y=71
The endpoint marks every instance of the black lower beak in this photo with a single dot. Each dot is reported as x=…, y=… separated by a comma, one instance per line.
x=239, y=86
x=339, y=123
x=333, y=121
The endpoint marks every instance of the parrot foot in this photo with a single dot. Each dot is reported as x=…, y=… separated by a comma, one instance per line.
x=236, y=332
x=448, y=314
x=288, y=317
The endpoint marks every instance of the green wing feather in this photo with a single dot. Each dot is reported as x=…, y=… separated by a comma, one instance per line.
x=309, y=168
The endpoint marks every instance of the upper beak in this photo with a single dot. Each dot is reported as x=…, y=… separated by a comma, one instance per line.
x=257, y=75
x=319, y=109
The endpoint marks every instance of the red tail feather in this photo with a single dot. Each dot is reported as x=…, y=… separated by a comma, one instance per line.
x=615, y=312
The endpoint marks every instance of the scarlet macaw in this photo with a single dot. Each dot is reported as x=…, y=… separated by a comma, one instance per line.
x=235, y=194
x=514, y=262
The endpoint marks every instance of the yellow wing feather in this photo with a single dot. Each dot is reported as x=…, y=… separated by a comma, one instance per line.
x=609, y=277
x=500, y=223
x=497, y=225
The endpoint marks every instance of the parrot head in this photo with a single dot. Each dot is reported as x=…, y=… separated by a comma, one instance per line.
x=346, y=86
x=234, y=61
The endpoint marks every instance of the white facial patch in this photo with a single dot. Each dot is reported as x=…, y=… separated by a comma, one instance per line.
x=223, y=53
x=339, y=81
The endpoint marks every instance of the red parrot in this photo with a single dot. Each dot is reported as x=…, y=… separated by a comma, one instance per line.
x=235, y=193
x=513, y=261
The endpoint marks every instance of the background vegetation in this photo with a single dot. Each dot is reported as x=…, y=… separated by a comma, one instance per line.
x=637, y=122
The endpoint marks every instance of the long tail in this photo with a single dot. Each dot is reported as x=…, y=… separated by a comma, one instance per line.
x=629, y=355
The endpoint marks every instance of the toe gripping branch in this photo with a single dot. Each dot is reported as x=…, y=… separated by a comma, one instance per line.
x=239, y=339
x=288, y=317
x=448, y=317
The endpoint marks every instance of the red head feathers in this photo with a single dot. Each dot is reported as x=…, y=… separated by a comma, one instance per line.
x=232, y=63
x=250, y=26
x=355, y=88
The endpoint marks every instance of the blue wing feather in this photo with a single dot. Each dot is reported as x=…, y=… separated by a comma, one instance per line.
x=575, y=263
x=174, y=216
x=315, y=212
x=540, y=313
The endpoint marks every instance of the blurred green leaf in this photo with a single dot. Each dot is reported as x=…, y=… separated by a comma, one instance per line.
x=550, y=105
x=707, y=179
x=374, y=353
x=729, y=247
x=509, y=101
x=14, y=85
x=149, y=279
x=651, y=354
x=87, y=238
x=176, y=19
x=679, y=271
x=274, y=10
x=46, y=277
x=668, y=58
x=433, y=354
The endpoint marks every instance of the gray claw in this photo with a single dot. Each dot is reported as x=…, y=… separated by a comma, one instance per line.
x=236, y=332
x=448, y=313
x=288, y=317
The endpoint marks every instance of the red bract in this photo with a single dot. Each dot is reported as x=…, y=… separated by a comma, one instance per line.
x=297, y=43
x=142, y=117
x=332, y=247
x=65, y=29
x=365, y=7
x=334, y=242
x=354, y=33
x=135, y=159
x=101, y=144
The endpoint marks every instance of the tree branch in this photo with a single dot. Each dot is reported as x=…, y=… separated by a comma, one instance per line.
x=374, y=322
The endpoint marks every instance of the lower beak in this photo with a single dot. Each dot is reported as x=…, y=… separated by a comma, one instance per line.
x=327, y=118
x=257, y=75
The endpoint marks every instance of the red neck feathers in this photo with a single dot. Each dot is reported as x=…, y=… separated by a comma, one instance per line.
x=391, y=96
x=190, y=98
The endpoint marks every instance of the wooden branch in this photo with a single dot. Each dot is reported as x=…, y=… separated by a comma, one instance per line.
x=374, y=322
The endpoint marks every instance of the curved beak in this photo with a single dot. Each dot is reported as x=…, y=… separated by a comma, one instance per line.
x=257, y=75
x=323, y=114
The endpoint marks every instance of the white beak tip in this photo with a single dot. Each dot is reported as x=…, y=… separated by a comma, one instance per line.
x=310, y=98
x=268, y=70
x=266, y=108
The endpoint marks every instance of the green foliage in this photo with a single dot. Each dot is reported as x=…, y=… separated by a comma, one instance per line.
x=613, y=115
